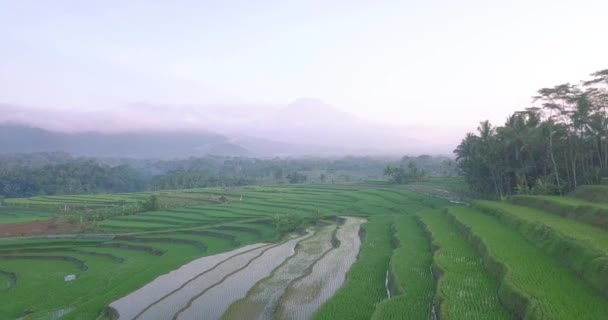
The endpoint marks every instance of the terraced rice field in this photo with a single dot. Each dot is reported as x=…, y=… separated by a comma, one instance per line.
x=307, y=293
x=10, y=215
x=409, y=279
x=125, y=254
x=533, y=284
x=395, y=253
x=465, y=290
x=262, y=300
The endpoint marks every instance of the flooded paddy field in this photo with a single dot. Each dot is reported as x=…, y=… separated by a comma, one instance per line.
x=262, y=300
x=290, y=279
x=305, y=295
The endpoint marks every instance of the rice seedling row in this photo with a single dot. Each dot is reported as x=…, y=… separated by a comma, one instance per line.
x=580, y=246
x=532, y=284
x=409, y=278
x=465, y=290
x=365, y=284
x=595, y=214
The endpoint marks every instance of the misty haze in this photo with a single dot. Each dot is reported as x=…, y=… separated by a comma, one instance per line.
x=303, y=160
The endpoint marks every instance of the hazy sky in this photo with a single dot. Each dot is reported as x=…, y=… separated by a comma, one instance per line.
x=407, y=62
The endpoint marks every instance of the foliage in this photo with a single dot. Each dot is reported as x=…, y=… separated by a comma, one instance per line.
x=547, y=149
x=403, y=175
x=285, y=223
x=296, y=177
x=151, y=204
x=72, y=177
x=24, y=175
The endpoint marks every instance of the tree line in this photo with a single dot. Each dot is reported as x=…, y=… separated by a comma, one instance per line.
x=52, y=173
x=555, y=145
x=71, y=177
x=415, y=169
x=55, y=173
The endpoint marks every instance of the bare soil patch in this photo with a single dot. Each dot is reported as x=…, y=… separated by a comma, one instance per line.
x=35, y=228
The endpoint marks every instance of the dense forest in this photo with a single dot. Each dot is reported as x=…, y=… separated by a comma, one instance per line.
x=50, y=173
x=558, y=143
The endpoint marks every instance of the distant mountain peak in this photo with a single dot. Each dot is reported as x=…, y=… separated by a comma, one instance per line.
x=307, y=102
x=312, y=111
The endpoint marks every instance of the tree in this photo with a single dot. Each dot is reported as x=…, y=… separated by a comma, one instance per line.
x=285, y=223
x=278, y=174
x=151, y=204
x=322, y=177
x=551, y=148
x=296, y=177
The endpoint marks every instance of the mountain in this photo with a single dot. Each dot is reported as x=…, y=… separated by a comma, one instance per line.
x=312, y=125
x=308, y=113
x=16, y=138
x=306, y=126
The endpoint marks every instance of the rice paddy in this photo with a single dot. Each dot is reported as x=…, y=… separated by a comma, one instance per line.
x=358, y=252
x=263, y=299
x=307, y=293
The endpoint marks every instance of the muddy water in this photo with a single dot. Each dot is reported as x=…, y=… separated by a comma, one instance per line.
x=262, y=300
x=171, y=304
x=133, y=304
x=304, y=296
x=215, y=301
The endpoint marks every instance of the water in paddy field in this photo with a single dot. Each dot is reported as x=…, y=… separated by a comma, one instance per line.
x=262, y=300
x=304, y=296
x=289, y=280
x=213, y=303
x=156, y=293
x=171, y=305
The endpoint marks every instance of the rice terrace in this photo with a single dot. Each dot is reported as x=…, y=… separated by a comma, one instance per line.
x=303, y=160
x=309, y=252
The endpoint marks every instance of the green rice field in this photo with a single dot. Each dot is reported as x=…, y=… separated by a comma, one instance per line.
x=415, y=255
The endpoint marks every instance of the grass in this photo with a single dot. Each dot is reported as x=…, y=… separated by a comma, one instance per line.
x=465, y=290
x=16, y=215
x=411, y=282
x=593, y=193
x=533, y=285
x=364, y=286
x=592, y=213
x=580, y=246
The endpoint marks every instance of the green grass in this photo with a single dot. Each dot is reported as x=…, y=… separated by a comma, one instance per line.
x=593, y=193
x=580, y=246
x=465, y=290
x=593, y=237
x=411, y=282
x=364, y=287
x=533, y=284
x=592, y=213
x=16, y=215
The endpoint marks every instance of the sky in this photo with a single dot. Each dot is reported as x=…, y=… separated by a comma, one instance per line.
x=437, y=62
